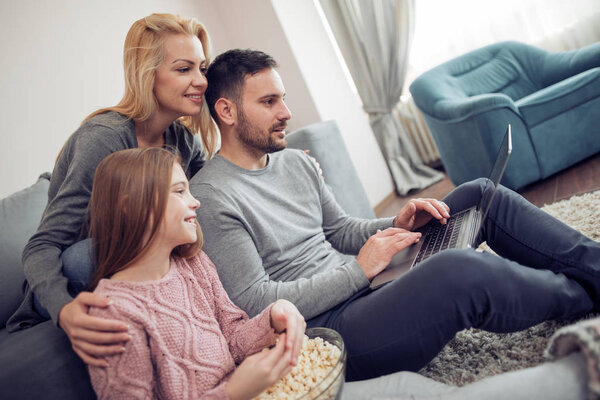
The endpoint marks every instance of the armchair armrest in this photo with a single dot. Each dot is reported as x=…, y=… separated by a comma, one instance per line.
x=560, y=97
x=459, y=109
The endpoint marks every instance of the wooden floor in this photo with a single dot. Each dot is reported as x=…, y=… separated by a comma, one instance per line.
x=580, y=178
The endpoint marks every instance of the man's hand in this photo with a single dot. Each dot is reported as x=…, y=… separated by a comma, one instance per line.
x=418, y=212
x=92, y=338
x=378, y=251
x=259, y=371
x=286, y=317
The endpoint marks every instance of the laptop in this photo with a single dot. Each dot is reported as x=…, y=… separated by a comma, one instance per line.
x=459, y=232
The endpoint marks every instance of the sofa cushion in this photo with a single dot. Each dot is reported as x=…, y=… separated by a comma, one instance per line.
x=39, y=363
x=20, y=215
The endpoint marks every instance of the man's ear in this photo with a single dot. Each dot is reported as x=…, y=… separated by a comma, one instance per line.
x=226, y=110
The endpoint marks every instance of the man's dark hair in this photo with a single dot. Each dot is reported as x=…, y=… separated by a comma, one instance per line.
x=226, y=74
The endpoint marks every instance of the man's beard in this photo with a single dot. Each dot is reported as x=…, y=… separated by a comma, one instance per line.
x=256, y=138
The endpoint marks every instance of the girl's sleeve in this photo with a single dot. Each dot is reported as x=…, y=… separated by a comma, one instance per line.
x=129, y=374
x=244, y=336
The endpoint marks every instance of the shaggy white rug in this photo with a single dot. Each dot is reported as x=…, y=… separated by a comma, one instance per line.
x=474, y=354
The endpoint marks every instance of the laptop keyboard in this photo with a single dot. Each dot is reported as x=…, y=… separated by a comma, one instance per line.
x=438, y=237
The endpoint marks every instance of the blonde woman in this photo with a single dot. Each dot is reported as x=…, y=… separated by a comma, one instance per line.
x=165, y=58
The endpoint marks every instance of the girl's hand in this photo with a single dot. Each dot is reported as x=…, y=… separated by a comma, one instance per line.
x=259, y=371
x=286, y=317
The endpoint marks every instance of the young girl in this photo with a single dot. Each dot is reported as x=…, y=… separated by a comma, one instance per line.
x=165, y=58
x=186, y=335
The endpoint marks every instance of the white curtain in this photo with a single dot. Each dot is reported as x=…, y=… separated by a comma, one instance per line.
x=374, y=38
x=445, y=29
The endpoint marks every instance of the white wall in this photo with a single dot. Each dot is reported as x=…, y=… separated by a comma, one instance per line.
x=254, y=24
x=332, y=94
x=63, y=59
x=316, y=89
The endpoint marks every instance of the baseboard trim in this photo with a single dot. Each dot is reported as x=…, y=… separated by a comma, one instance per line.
x=383, y=204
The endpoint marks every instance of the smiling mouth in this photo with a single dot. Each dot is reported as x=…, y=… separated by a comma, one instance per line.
x=191, y=221
x=194, y=97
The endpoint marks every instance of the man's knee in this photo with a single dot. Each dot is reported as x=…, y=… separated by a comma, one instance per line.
x=478, y=185
x=462, y=270
x=467, y=194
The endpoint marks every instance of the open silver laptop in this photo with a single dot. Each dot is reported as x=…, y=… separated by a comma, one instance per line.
x=460, y=232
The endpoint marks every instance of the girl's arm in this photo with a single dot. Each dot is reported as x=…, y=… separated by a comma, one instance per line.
x=247, y=336
x=244, y=336
x=129, y=374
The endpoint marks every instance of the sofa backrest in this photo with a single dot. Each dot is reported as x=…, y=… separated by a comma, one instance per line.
x=327, y=146
x=20, y=215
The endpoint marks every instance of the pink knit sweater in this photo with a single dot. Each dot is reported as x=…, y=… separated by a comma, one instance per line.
x=187, y=336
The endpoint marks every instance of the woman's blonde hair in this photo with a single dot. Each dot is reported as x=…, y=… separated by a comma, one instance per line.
x=143, y=52
x=128, y=202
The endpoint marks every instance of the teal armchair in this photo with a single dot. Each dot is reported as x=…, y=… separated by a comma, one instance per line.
x=551, y=99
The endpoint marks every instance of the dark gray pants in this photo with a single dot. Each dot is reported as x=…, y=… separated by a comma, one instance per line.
x=546, y=270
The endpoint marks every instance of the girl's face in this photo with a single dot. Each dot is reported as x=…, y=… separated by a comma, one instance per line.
x=179, y=83
x=179, y=222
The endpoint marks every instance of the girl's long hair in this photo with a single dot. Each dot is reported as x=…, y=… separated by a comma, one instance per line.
x=142, y=54
x=128, y=201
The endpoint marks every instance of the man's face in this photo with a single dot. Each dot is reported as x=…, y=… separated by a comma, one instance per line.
x=263, y=114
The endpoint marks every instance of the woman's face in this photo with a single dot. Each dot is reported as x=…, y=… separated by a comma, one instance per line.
x=179, y=83
x=179, y=222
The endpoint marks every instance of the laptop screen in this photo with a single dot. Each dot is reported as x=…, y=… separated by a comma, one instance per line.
x=496, y=174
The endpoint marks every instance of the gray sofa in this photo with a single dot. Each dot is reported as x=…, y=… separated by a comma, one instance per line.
x=38, y=363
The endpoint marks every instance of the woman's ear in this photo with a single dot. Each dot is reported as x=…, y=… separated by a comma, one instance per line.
x=226, y=110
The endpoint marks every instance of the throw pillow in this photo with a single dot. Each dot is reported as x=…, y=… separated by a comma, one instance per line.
x=20, y=215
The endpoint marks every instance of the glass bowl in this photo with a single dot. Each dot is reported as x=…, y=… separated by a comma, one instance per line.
x=330, y=387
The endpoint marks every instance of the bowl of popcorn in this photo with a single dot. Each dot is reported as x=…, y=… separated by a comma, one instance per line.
x=319, y=373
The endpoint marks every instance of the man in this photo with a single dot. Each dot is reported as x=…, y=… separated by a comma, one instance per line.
x=274, y=230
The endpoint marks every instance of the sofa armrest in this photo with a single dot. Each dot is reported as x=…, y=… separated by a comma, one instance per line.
x=460, y=109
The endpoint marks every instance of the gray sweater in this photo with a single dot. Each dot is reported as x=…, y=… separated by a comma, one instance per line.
x=279, y=233
x=68, y=197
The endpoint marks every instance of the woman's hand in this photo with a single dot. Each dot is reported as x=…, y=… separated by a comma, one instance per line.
x=286, y=317
x=314, y=161
x=92, y=338
x=417, y=212
x=259, y=371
